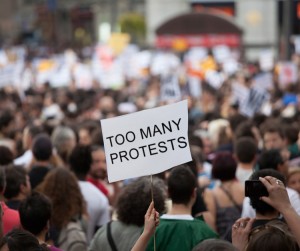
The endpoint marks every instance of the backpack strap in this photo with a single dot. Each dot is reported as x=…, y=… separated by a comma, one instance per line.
x=109, y=237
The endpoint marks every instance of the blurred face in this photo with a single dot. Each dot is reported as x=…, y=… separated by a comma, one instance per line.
x=272, y=140
x=294, y=182
x=84, y=137
x=98, y=167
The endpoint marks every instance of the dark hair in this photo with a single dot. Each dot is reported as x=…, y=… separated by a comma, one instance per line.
x=181, y=184
x=61, y=186
x=197, y=159
x=135, y=198
x=15, y=177
x=223, y=166
x=6, y=117
x=215, y=245
x=6, y=156
x=245, y=149
x=270, y=159
x=272, y=127
x=245, y=130
x=34, y=130
x=18, y=239
x=259, y=205
x=2, y=179
x=35, y=212
x=273, y=236
x=195, y=141
x=80, y=160
x=291, y=132
x=95, y=148
x=42, y=147
x=236, y=120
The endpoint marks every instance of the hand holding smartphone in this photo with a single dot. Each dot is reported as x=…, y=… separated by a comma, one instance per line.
x=255, y=188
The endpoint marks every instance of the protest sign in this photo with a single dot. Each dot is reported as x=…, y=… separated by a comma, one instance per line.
x=146, y=142
x=170, y=89
x=221, y=53
x=288, y=74
x=266, y=60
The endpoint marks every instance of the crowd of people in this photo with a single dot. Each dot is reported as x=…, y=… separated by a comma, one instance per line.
x=53, y=176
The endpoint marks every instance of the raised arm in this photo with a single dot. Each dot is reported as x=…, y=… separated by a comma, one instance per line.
x=279, y=199
x=151, y=222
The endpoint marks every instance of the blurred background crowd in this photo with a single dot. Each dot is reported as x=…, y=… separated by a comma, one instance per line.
x=67, y=67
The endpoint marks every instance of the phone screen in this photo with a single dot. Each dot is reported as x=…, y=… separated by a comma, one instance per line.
x=255, y=188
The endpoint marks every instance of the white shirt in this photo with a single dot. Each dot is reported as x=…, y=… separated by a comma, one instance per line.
x=24, y=159
x=97, y=207
x=249, y=211
x=243, y=174
x=177, y=217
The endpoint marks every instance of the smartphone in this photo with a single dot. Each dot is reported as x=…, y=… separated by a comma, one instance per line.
x=255, y=188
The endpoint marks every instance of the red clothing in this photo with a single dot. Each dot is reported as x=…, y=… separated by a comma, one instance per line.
x=10, y=218
x=99, y=185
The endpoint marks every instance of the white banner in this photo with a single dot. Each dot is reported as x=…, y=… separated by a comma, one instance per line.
x=146, y=142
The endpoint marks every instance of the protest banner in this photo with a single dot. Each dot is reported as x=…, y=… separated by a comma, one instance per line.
x=288, y=74
x=146, y=142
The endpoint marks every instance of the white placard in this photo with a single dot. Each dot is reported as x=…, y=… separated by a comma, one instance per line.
x=221, y=53
x=266, y=60
x=288, y=74
x=146, y=142
x=170, y=89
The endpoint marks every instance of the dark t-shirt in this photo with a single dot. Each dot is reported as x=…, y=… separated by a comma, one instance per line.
x=37, y=175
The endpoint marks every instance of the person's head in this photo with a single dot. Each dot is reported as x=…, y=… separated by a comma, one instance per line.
x=215, y=129
x=235, y=120
x=215, y=245
x=224, y=166
x=245, y=150
x=18, y=239
x=98, y=167
x=61, y=186
x=29, y=133
x=86, y=131
x=135, y=198
x=6, y=156
x=273, y=159
x=80, y=161
x=293, y=178
x=35, y=213
x=182, y=185
x=246, y=129
x=6, y=122
x=197, y=160
x=64, y=140
x=273, y=236
x=260, y=206
x=42, y=147
x=17, y=182
x=273, y=137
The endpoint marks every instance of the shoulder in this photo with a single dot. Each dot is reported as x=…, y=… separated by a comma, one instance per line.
x=90, y=191
x=72, y=236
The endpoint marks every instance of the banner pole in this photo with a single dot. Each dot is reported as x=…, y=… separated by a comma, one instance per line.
x=154, y=240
